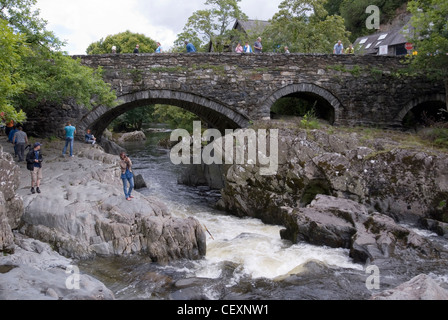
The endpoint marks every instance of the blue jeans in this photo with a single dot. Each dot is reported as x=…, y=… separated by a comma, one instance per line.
x=68, y=141
x=127, y=177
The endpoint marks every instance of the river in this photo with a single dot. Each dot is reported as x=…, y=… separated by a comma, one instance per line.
x=246, y=259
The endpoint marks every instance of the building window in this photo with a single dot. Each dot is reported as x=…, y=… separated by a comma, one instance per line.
x=400, y=50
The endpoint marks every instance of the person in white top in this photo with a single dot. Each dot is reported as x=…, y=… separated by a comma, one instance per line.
x=247, y=48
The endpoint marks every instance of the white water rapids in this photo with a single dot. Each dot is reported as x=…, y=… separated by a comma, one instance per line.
x=246, y=259
x=255, y=247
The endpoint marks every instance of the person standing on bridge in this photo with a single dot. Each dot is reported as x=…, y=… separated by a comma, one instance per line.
x=258, y=47
x=350, y=50
x=190, y=47
x=247, y=48
x=159, y=48
x=239, y=48
x=127, y=176
x=338, y=48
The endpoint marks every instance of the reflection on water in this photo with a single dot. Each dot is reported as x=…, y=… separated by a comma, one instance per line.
x=246, y=259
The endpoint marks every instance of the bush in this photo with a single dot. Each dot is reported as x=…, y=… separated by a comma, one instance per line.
x=310, y=121
x=438, y=136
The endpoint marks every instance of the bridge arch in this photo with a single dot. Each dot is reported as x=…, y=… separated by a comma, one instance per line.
x=420, y=101
x=215, y=114
x=311, y=90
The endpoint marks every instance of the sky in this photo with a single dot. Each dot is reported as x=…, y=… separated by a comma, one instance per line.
x=83, y=22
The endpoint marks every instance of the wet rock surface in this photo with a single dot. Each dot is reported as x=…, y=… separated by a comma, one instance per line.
x=82, y=212
x=341, y=223
x=11, y=205
x=421, y=287
x=37, y=272
x=385, y=175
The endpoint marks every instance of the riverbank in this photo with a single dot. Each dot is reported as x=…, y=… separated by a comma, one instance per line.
x=81, y=213
x=245, y=259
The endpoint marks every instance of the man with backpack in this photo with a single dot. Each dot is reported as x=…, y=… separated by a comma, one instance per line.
x=34, y=161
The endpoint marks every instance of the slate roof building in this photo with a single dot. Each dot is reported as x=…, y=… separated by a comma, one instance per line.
x=249, y=27
x=388, y=42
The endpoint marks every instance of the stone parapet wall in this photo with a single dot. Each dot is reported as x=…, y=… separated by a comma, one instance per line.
x=230, y=88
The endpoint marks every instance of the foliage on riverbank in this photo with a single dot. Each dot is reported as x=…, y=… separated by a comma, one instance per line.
x=35, y=69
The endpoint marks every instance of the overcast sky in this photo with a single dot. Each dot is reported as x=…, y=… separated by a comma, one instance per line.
x=82, y=22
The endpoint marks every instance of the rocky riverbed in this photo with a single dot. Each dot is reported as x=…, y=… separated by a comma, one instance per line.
x=348, y=188
x=81, y=213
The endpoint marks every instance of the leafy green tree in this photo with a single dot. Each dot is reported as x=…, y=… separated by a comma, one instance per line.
x=133, y=120
x=56, y=77
x=25, y=21
x=176, y=118
x=212, y=25
x=11, y=84
x=333, y=7
x=305, y=26
x=37, y=67
x=430, y=20
x=125, y=42
x=355, y=16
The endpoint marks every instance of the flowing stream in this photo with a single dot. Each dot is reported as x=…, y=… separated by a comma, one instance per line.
x=246, y=259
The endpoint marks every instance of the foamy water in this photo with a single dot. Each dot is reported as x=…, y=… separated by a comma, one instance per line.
x=257, y=248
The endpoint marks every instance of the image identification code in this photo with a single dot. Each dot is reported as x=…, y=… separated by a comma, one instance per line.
x=224, y=310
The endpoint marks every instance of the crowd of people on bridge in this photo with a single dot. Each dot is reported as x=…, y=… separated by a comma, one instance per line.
x=247, y=48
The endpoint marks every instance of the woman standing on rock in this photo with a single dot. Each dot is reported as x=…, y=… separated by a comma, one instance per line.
x=127, y=175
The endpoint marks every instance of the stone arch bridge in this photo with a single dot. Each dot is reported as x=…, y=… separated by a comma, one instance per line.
x=228, y=90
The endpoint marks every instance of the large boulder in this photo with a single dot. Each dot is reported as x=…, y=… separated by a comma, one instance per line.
x=135, y=136
x=82, y=212
x=408, y=184
x=422, y=287
x=6, y=236
x=36, y=272
x=342, y=223
x=11, y=205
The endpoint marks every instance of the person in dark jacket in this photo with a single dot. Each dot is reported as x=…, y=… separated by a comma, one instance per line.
x=34, y=161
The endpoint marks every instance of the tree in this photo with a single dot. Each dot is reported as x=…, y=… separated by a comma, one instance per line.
x=176, y=118
x=134, y=119
x=430, y=23
x=35, y=68
x=355, y=16
x=333, y=7
x=212, y=26
x=305, y=26
x=11, y=83
x=125, y=42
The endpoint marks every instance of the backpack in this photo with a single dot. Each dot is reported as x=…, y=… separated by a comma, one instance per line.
x=30, y=161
